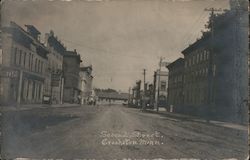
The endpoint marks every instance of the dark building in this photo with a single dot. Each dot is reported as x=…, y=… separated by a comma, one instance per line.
x=136, y=94
x=175, y=96
x=71, y=69
x=215, y=76
x=197, y=86
x=23, y=68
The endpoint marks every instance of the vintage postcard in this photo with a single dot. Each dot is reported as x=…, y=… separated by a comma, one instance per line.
x=124, y=79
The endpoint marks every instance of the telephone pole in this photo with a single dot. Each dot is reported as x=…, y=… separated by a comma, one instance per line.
x=144, y=90
x=129, y=96
x=144, y=79
x=212, y=64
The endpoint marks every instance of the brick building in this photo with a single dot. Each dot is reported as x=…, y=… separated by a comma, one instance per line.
x=196, y=88
x=175, y=95
x=215, y=75
x=23, y=70
x=54, y=82
x=71, y=69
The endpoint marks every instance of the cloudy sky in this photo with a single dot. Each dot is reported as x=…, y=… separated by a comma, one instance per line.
x=118, y=37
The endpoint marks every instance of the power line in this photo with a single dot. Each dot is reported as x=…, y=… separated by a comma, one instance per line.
x=189, y=35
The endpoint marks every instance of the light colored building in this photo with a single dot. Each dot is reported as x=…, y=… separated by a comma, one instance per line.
x=161, y=87
x=86, y=80
x=54, y=82
x=23, y=68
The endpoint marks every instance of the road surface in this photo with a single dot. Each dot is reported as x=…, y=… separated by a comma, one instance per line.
x=109, y=132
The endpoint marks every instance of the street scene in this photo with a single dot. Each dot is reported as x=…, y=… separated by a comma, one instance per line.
x=124, y=80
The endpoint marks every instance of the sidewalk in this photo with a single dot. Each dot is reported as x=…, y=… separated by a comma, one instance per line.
x=36, y=106
x=197, y=119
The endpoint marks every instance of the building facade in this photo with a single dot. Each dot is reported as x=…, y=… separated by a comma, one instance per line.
x=71, y=69
x=54, y=83
x=86, y=80
x=197, y=80
x=215, y=74
x=135, y=98
x=23, y=70
x=161, y=83
x=175, y=95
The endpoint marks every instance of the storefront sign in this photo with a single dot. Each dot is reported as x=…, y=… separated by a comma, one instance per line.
x=9, y=73
x=55, y=79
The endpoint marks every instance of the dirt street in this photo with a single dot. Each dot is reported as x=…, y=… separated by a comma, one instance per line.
x=109, y=132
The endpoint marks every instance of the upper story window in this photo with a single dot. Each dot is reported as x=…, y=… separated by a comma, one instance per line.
x=29, y=60
x=38, y=66
x=200, y=55
x=198, y=58
x=24, y=59
x=15, y=57
x=194, y=59
x=35, y=65
x=41, y=67
x=20, y=58
x=31, y=66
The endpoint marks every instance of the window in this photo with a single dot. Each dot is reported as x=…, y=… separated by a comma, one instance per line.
x=20, y=58
x=41, y=67
x=204, y=55
x=38, y=66
x=29, y=59
x=163, y=85
x=198, y=58
x=24, y=59
x=32, y=58
x=35, y=65
x=214, y=70
x=15, y=56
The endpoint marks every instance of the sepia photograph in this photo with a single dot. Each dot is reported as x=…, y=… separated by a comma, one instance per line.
x=124, y=79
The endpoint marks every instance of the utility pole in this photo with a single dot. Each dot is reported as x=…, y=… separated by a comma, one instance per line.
x=211, y=67
x=144, y=89
x=212, y=64
x=129, y=90
x=144, y=80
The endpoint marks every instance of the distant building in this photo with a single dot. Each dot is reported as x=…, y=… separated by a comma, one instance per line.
x=54, y=82
x=23, y=69
x=175, y=95
x=85, y=83
x=71, y=69
x=161, y=87
x=136, y=94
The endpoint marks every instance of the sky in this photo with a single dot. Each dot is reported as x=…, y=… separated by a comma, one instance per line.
x=119, y=38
